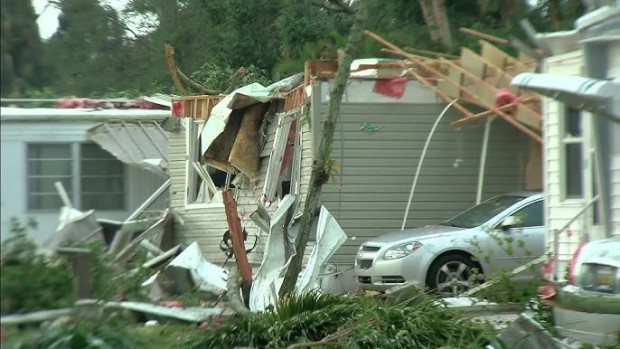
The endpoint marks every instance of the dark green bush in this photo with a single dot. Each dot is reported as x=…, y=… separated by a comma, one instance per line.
x=31, y=281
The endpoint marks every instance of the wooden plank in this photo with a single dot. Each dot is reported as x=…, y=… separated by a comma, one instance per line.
x=501, y=59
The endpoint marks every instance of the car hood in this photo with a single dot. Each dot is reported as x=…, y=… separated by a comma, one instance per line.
x=413, y=233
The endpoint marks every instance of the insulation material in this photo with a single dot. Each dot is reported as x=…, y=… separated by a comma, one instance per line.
x=218, y=153
x=329, y=237
x=245, y=151
x=265, y=285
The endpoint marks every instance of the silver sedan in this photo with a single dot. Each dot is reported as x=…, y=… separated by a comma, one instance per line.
x=499, y=234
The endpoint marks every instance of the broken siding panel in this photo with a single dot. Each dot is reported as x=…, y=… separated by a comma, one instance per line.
x=378, y=168
x=207, y=225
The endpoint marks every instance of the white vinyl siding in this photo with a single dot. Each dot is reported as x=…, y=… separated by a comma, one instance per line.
x=558, y=208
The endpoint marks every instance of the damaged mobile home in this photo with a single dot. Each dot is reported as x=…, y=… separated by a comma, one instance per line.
x=487, y=142
x=110, y=160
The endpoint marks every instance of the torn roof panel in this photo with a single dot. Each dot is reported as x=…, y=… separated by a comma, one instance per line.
x=139, y=143
x=597, y=96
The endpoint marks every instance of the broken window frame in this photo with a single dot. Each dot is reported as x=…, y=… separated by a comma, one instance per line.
x=75, y=186
x=273, y=177
x=200, y=190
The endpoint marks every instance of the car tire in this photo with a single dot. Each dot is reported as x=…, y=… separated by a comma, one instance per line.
x=451, y=275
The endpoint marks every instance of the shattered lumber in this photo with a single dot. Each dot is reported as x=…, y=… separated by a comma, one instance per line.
x=236, y=236
x=484, y=36
x=418, y=62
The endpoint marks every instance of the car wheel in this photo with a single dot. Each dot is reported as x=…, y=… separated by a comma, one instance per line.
x=451, y=275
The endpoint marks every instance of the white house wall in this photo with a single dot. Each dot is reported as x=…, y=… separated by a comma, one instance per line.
x=15, y=136
x=615, y=180
x=207, y=224
x=558, y=211
x=613, y=57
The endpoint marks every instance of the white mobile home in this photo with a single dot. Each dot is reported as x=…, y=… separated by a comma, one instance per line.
x=98, y=156
x=582, y=132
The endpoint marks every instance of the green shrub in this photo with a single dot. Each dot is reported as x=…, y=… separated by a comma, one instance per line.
x=31, y=281
x=358, y=321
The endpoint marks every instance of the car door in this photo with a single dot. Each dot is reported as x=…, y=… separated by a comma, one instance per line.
x=528, y=238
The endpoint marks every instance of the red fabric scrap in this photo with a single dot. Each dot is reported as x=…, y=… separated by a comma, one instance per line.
x=394, y=87
x=172, y=304
x=503, y=97
x=177, y=109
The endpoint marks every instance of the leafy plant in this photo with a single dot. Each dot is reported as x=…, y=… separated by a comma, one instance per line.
x=416, y=320
x=32, y=281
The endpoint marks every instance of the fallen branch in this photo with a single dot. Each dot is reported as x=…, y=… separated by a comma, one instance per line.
x=172, y=68
x=235, y=80
x=193, y=84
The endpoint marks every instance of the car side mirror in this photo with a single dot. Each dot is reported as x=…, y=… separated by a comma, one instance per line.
x=510, y=222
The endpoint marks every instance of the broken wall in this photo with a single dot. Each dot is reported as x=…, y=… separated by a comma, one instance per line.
x=206, y=223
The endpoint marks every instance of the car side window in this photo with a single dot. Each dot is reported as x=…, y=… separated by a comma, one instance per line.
x=531, y=215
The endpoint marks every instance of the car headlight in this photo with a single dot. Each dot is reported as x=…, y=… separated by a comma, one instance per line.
x=401, y=251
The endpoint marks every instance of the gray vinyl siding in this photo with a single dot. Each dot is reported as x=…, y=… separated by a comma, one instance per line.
x=378, y=168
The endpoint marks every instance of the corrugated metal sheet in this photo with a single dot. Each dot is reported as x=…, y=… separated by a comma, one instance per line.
x=369, y=196
x=138, y=143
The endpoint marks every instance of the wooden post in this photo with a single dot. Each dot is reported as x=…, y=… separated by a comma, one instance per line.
x=238, y=245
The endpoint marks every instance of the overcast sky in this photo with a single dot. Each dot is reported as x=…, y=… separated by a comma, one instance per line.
x=48, y=20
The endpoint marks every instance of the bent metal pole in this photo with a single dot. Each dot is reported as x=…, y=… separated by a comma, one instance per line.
x=417, y=171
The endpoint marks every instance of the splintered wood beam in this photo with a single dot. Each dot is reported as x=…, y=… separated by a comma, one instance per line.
x=236, y=237
x=488, y=85
x=443, y=96
x=491, y=111
x=485, y=104
x=429, y=53
x=439, y=93
x=484, y=36
x=397, y=50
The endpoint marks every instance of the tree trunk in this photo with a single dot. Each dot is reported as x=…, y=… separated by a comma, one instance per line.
x=322, y=164
x=443, y=23
x=429, y=18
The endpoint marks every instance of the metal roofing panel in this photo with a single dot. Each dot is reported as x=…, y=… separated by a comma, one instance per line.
x=596, y=96
x=141, y=143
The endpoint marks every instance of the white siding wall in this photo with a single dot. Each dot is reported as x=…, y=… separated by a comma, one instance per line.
x=557, y=210
x=15, y=137
x=613, y=56
x=614, y=71
x=206, y=225
x=615, y=180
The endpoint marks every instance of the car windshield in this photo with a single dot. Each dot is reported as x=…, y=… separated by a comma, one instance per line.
x=481, y=213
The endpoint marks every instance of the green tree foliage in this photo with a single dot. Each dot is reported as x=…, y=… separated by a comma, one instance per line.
x=20, y=48
x=84, y=52
x=97, y=52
